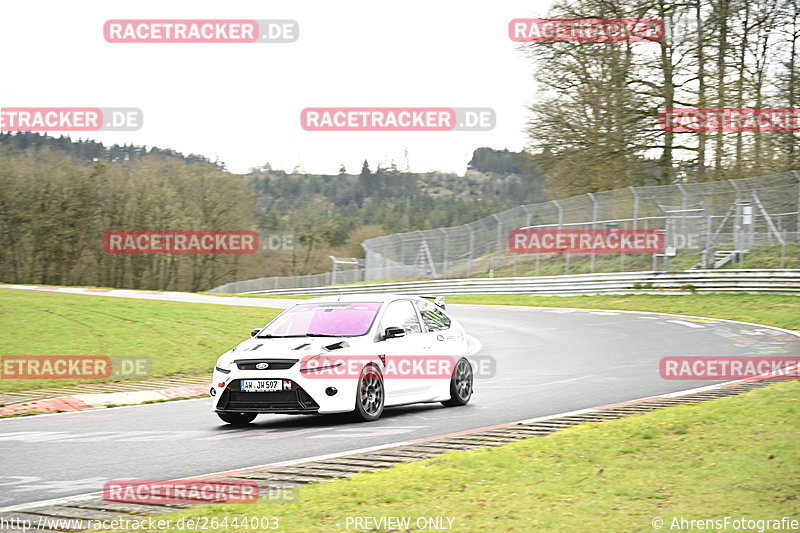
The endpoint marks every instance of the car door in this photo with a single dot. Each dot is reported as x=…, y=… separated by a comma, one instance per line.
x=402, y=314
x=442, y=342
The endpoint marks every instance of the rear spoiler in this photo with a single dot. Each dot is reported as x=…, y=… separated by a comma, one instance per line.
x=438, y=300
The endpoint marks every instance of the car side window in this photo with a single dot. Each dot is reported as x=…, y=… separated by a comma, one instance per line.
x=433, y=317
x=401, y=315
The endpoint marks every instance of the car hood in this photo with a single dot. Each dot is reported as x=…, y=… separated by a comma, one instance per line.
x=289, y=348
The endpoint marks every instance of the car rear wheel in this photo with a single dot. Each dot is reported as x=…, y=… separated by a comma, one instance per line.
x=460, y=384
x=238, y=419
x=370, y=395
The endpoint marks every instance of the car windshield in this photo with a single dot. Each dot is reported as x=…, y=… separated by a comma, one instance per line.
x=323, y=319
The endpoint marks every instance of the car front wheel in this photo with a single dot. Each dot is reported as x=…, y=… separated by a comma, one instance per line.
x=370, y=395
x=237, y=419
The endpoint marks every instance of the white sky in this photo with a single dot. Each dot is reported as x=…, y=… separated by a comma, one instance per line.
x=241, y=103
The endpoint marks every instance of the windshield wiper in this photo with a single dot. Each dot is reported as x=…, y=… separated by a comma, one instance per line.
x=323, y=335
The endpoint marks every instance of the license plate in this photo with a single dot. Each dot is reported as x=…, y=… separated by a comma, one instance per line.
x=261, y=385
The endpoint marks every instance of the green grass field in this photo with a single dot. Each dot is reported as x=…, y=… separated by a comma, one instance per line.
x=761, y=256
x=735, y=457
x=179, y=338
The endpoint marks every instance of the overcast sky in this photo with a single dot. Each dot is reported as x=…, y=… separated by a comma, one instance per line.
x=241, y=103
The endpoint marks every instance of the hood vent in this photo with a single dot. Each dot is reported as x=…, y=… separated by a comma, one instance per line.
x=304, y=345
x=336, y=346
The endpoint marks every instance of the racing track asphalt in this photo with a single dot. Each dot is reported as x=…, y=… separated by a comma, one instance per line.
x=548, y=361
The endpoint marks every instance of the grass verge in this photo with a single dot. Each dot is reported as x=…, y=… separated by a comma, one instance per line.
x=782, y=311
x=735, y=457
x=178, y=338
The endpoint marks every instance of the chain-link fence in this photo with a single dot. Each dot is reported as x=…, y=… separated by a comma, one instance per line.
x=712, y=224
x=707, y=224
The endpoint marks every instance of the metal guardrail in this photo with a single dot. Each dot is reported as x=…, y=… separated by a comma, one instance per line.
x=731, y=281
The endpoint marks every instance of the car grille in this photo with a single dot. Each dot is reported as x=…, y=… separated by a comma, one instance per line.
x=296, y=400
x=274, y=364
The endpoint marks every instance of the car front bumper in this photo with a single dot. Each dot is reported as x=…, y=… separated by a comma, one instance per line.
x=307, y=395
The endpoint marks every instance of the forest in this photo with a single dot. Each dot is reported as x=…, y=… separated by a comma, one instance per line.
x=58, y=197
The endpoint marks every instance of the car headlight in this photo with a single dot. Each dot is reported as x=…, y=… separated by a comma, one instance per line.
x=223, y=367
x=317, y=364
x=320, y=368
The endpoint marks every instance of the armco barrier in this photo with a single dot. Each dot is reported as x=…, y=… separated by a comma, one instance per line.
x=746, y=281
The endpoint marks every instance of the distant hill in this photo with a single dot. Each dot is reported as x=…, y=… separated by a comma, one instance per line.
x=404, y=201
x=90, y=150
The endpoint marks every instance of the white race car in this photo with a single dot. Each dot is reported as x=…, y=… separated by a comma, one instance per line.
x=341, y=354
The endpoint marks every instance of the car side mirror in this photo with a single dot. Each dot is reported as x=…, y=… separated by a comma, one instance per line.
x=393, y=332
x=254, y=332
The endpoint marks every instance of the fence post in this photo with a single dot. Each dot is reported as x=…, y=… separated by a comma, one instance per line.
x=735, y=188
x=528, y=216
x=419, y=247
x=594, y=222
x=560, y=213
x=445, y=253
x=499, y=244
x=560, y=226
x=402, y=250
x=684, y=206
x=796, y=174
x=635, y=206
x=783, y=252
x=471, y=250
